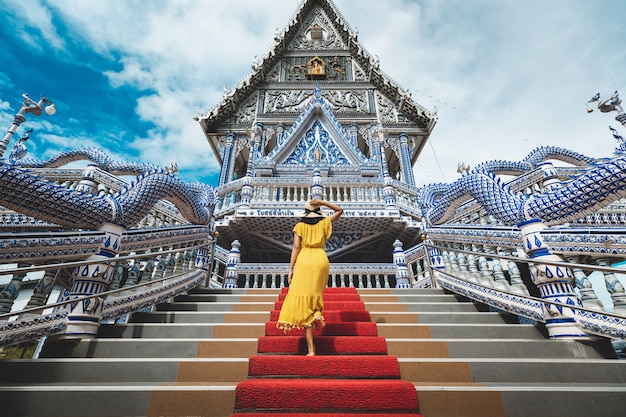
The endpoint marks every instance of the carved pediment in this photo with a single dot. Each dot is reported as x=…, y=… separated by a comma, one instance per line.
x=317, y=137
x=316, y=146
x=317, y=31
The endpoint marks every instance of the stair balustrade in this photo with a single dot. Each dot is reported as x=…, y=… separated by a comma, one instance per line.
x=508, y=294
x=43, y=318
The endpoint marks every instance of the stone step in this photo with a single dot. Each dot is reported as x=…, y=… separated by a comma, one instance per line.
x=217, y=400
x=185, y=360
x=426, y=317
x=244, y=298
x=118, y=399
x=201, y=317
x=264, y=316
x=400, y=347
x=459, y=331
x=182, y=330
x=372, y=307
x=153, y=348
x=512, y=370
x=498, y=348
x=521, y=400
x=393, y=330
x=224, y=370
x=123, y=370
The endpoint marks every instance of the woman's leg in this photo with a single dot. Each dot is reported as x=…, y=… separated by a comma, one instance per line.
x=308, y=335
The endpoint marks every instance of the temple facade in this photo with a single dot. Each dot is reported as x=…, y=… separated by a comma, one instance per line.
x=317, y=118
x=502, y=295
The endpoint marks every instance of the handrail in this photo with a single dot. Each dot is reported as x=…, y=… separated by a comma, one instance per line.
x=46, y=267
x=592, y=321
x=136, y=297
x=89, y=297
x=613, y=324
x=530, y=261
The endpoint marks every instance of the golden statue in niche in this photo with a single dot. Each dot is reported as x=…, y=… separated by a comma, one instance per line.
x=316, y=68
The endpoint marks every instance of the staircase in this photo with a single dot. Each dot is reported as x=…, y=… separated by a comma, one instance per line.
x=190, y=357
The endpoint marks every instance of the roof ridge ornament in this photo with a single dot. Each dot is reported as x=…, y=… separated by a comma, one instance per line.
x=317, y=93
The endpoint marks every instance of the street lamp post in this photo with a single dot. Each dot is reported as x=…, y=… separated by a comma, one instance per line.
x=29, y=106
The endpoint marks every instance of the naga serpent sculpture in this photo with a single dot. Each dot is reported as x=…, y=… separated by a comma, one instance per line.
x=599, y=185
x=32, y=195
x=95, y=156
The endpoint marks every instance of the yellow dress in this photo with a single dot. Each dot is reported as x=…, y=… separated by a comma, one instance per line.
x=303, y=303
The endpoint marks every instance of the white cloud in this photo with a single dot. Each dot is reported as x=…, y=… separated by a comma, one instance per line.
x=181, y=55
x=505, y=76
x=33, y=14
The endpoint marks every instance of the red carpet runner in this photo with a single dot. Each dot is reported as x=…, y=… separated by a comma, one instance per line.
x=351, y=376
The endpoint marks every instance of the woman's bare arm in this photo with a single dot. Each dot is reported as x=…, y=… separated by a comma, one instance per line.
x=338, y=211
x=295, y=250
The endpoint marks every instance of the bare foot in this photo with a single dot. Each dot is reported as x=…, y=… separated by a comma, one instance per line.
x=310, y=354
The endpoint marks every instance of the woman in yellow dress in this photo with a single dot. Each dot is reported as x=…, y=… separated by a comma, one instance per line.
x=303, y=306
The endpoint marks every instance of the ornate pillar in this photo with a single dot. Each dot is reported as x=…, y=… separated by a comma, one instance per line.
x=554, y=283
x=614, y=287
x=159, y=268
x=453, y=263
x=280, y=130
x=227, y=155
x=118, y=276
x=42, y=289
x=259, y=139
x=499, y=279
x=317, y=191
x=550, y=178
x=192, y=259
x=517, y=284
x=179, y=260
x=234, y=257
x=462, y=260
x=148, y=271
x=402, y=271
x=388, y=191
x=405, y=160
x=84, y=315
x=375, y=147
x=472, y=264
x=246, y=189
x=134, y=273
x=434, y=260
x=202, y=259
x=170, y=264
x=87, y=184
x=185, y=261
x=353, y=132
x=12, y=290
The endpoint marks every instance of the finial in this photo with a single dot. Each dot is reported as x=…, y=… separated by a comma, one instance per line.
x=317, y=93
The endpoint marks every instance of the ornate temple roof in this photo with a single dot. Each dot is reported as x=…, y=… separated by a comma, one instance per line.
x=351, y=78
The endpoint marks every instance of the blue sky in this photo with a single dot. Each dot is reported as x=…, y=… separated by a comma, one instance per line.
x=127, y=76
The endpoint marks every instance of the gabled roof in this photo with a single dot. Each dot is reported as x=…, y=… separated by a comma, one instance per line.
x=384, y=84
x=317, y=115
